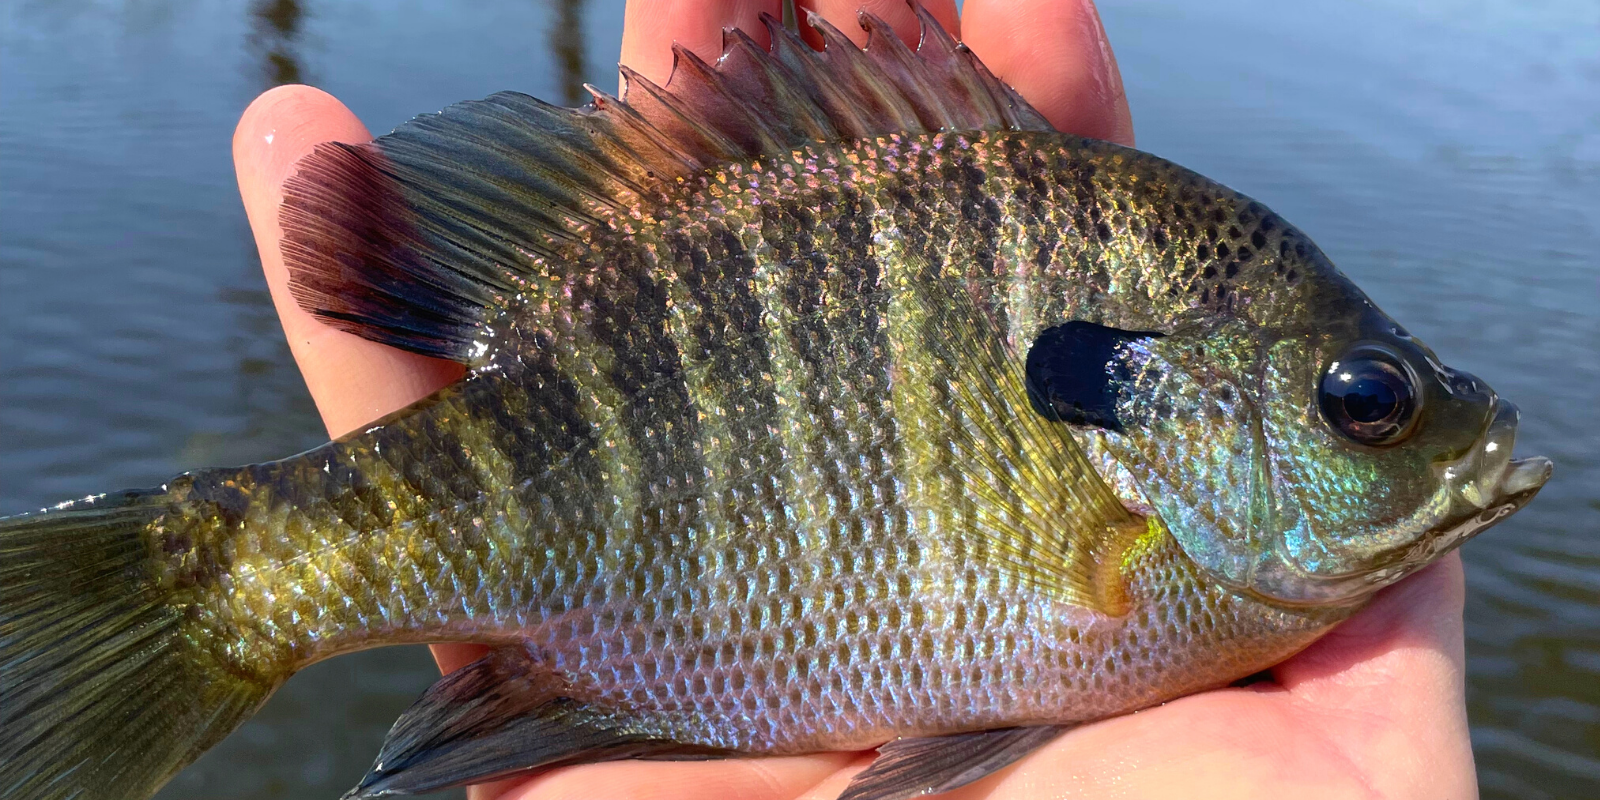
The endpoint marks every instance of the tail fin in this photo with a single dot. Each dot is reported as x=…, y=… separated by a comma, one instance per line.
x=102, y=693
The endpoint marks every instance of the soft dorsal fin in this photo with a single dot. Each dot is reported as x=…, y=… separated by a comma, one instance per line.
x=405, y=240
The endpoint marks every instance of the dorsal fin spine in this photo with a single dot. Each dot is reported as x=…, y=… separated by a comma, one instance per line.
x=692, y=76
x=894, y=58
x=805, y=64
x=677, y=121
x=777, y=87
x=666, y=150
x=845, y=60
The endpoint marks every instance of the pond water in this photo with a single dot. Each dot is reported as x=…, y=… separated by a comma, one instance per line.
x=1445, y=154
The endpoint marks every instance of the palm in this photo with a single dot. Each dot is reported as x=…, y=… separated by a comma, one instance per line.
x=1373, y=709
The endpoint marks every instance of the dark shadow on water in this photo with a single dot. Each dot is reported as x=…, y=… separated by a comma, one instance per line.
x=567, y=44
x=275, y=29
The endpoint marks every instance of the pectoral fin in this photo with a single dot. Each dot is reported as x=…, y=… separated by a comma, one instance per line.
x=928, y=766
x=498, y=716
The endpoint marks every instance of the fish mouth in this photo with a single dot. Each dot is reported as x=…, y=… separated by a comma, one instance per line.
x=1480, y=489
x=1525, y=477
x=1476, y=491
x=1488, y=477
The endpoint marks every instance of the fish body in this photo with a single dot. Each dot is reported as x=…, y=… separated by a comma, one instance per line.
x=717, y=472
x=795, y=442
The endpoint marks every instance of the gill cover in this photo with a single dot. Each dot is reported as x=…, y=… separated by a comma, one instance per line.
x=1189, y=436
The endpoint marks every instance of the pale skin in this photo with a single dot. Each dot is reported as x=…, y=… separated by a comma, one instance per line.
x=1375, y=709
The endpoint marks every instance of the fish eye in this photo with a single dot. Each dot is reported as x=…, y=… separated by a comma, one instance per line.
x=1369, y=397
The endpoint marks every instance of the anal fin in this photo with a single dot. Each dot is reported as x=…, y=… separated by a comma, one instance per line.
x=499, y=716
x=927, y=766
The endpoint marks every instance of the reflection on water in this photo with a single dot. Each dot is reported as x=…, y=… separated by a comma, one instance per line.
x=567, y=44
x=1447, y=156
x=277, y=24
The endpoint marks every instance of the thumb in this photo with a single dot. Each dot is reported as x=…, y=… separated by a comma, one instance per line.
x=1388, y=684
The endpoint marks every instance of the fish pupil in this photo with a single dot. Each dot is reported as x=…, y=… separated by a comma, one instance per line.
x=1370, y=401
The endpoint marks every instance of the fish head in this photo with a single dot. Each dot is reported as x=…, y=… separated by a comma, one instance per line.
x=1382, y=457
x=1311, y=460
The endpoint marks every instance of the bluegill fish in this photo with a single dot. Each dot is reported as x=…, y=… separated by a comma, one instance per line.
x=819, y=400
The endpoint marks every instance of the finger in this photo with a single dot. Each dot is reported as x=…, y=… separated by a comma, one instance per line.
x=1421, y=614
x=1056, y=55
x=352, y=380
x=1225, y=744
x=898, y=13
x=649, y=27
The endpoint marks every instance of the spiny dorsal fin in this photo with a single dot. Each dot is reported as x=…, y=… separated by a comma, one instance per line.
x=407, y=239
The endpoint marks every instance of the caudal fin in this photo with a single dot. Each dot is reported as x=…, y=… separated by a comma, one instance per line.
x=103, y=694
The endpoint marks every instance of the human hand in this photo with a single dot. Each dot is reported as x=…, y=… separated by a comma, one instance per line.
x=1374, y=709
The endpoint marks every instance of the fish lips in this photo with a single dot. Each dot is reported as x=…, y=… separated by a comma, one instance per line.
x=1487, y=476
x=1485, y=486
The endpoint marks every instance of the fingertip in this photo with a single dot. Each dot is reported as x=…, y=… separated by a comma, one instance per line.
x=1418, y=620
x=1389, y=685
x=281, y=126
x=451, y=656
x=1057, y=56
x=1424, y=607
x=275, y=131
x=753, y=778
